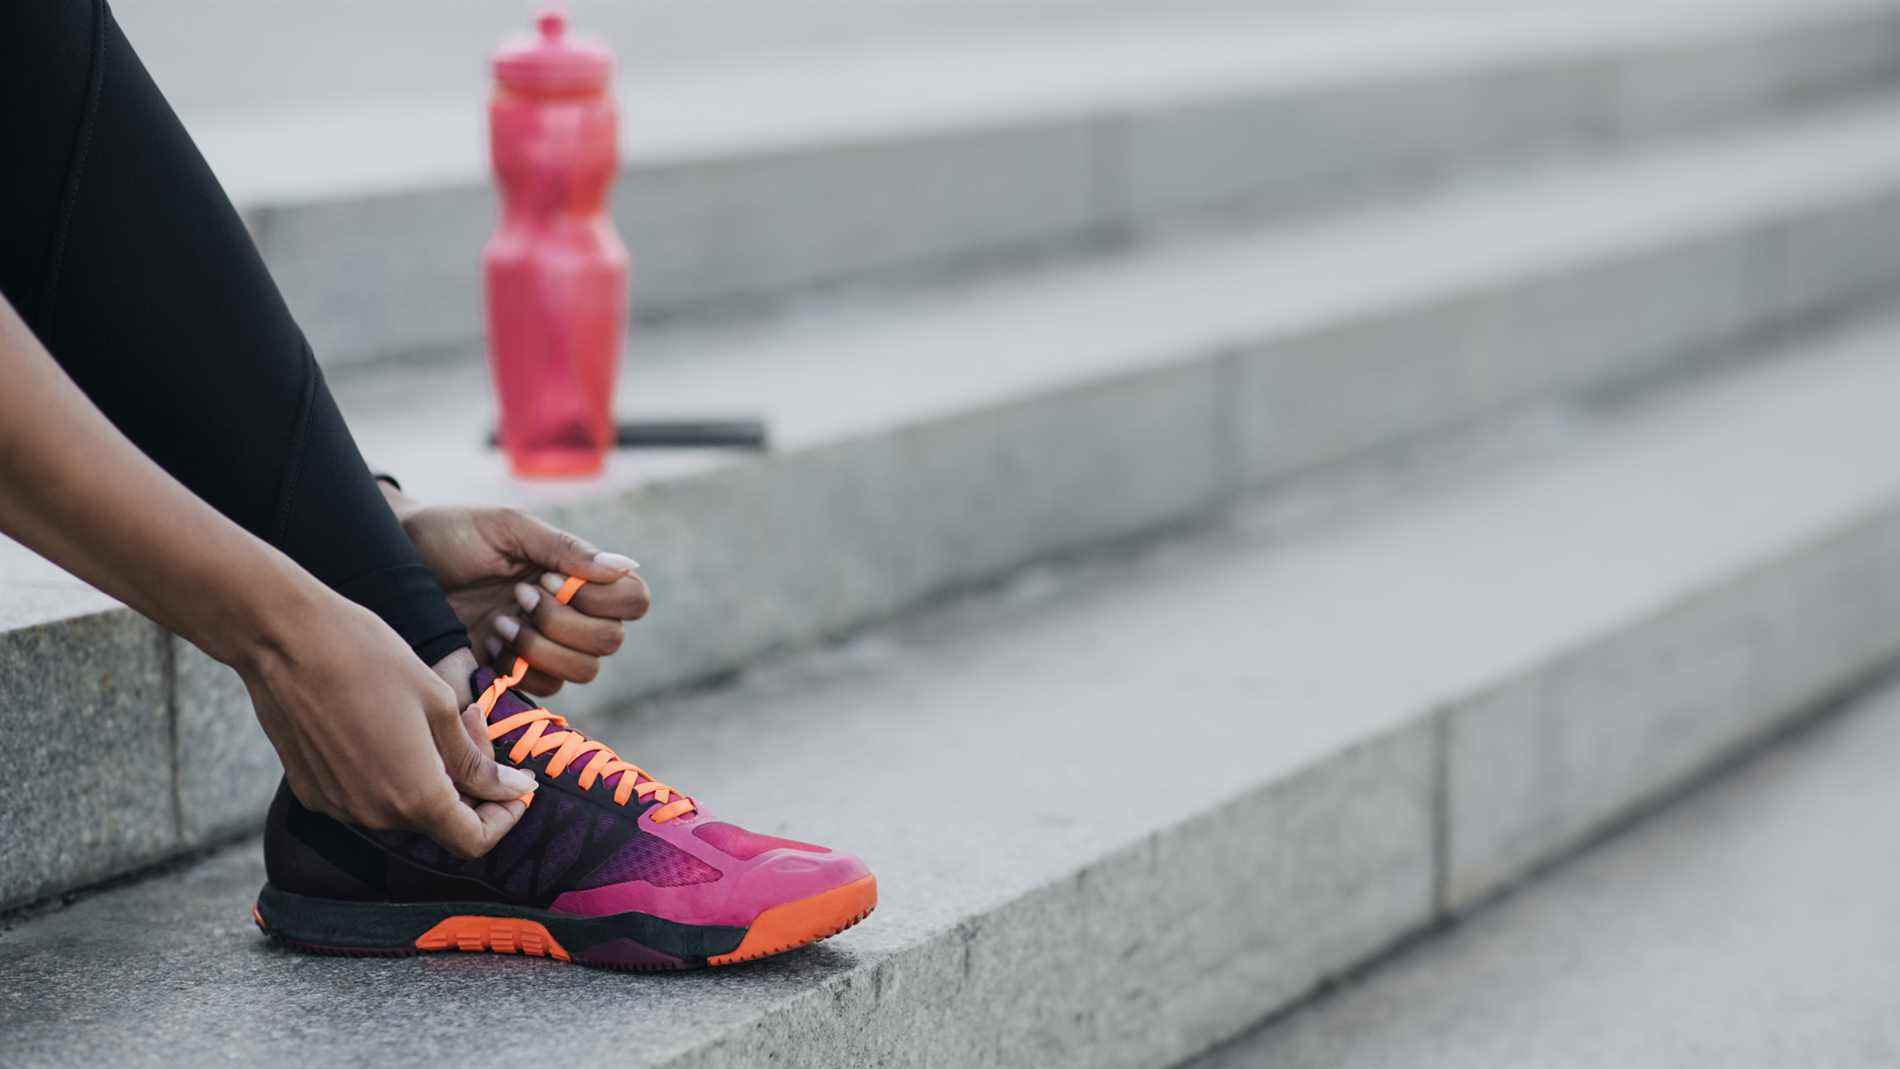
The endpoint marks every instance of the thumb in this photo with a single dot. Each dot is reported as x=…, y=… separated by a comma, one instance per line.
x=473, y=769
x=554, y=550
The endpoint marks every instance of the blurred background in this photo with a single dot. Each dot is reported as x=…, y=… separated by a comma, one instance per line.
x=1368, y=533
x=281, y=53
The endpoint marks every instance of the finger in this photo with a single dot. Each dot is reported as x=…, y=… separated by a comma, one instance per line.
x=544, y=653
x=472, y=768
x=569, y=626
x=471, y=831
x=477, y=727
x=625, y=599
x=556, y=550
x=539, y=683
x=562, y=587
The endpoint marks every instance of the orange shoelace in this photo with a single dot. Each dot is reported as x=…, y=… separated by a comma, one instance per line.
x=570, y=746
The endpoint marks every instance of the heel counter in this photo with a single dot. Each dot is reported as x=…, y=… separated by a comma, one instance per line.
x=307, y=853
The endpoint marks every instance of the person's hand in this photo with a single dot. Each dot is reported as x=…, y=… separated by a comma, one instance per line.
x=369, y=735
x=500, y=568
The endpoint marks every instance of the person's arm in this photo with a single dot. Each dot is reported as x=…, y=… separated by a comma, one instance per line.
x=366, y=731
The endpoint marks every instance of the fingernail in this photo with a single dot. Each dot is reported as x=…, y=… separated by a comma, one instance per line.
x=493, y=646
x=507, y=628
x=527, y=597
x=618, y=562
x=518, y=779
x=553, y=581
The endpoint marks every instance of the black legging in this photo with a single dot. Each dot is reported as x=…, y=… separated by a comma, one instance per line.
x=122, y=253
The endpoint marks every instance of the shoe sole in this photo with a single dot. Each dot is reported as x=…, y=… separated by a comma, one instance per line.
x=626, y=941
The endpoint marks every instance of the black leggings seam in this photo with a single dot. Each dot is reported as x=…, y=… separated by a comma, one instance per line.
x=49, y=281
x=293, y=465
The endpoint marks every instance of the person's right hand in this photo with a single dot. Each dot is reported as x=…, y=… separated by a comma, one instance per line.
x=369, y=735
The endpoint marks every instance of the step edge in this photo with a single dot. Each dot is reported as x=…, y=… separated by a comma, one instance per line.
x=1530, y=38
x=827, y=1023
x=1098, y=175
x=1211, y=373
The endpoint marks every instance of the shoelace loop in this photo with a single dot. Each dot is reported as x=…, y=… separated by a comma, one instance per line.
x=570, y=746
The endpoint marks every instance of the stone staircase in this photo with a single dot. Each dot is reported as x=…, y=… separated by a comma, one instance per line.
x=954, y=153
x=1241, y=492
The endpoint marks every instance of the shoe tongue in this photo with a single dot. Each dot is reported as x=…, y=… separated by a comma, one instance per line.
x=506, y=706
x=511, y=703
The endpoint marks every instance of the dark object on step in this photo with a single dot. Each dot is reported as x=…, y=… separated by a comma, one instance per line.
x=686, y=434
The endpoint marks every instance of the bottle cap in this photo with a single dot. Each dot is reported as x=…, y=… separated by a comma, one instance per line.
x=551, y=62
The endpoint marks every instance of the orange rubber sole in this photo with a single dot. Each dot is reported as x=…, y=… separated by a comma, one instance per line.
x=497, y=935
x=807, y=920
x=775, y=931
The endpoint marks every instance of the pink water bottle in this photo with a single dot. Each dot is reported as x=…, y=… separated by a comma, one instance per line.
x=555, y=270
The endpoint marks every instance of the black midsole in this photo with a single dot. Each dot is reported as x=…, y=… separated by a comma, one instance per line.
x=345, y=925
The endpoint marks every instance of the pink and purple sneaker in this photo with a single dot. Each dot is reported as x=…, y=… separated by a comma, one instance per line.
x=608, y=867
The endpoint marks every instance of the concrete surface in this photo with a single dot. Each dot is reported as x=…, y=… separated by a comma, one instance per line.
x=1545, y=761
x=927, y=444
x=212, y=51
x=1575, y=75
x=1247, y=727
x=214, y=727
x=216, y=54
x=951, y=155
x=1749, y=926
x=984, y=426
x=91, y=778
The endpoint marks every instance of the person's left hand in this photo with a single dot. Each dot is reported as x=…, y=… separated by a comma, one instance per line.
x=500, y=568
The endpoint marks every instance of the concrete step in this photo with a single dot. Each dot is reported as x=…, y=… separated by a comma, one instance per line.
x=1750, y=926
x=1122, y=808
x=751, y=178
x=274, y=55
x=930, y=444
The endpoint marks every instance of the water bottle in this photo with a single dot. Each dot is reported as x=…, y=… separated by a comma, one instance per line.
x=555, y=272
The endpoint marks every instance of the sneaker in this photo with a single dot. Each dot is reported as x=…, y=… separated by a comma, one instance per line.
x=608, y=867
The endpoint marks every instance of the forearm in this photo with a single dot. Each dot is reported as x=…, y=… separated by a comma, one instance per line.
x=75, y=490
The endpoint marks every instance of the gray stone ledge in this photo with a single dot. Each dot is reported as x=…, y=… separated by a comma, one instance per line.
x=89, y=722
x=1129, y=397
x=227, y=770
x=1117, y=837
x=1099, y=417
x=839, y=183
x=1543, y=762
